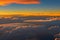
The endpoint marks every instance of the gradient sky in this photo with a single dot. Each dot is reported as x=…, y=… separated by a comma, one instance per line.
x=30, y=7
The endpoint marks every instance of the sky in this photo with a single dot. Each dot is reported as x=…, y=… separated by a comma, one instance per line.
x=30, y=7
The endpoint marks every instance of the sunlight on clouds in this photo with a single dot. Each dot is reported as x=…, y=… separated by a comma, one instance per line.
x=5, y=2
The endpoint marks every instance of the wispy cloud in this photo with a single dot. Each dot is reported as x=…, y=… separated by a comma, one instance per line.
x=37, y=20
x=5, y=2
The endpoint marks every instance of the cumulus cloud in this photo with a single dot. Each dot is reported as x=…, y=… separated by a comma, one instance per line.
x=5, y=2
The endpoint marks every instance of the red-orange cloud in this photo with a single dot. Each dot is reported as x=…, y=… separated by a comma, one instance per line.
x=5, y=2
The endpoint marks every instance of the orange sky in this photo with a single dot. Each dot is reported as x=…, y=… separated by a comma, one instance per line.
x=28, y=10
x=5, y=2
x=37, y=14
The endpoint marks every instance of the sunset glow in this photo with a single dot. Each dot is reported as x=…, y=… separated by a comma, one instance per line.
x=6, y=2
x=29, y=8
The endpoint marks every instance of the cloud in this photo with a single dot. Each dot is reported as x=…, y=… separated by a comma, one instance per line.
x=37, y=20
x=5, y=2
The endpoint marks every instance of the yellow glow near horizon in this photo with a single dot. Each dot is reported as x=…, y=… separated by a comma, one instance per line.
x=35, y=14
x=25, y=13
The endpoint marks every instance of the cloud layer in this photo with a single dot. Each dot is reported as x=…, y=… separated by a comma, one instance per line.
x=5, y=2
